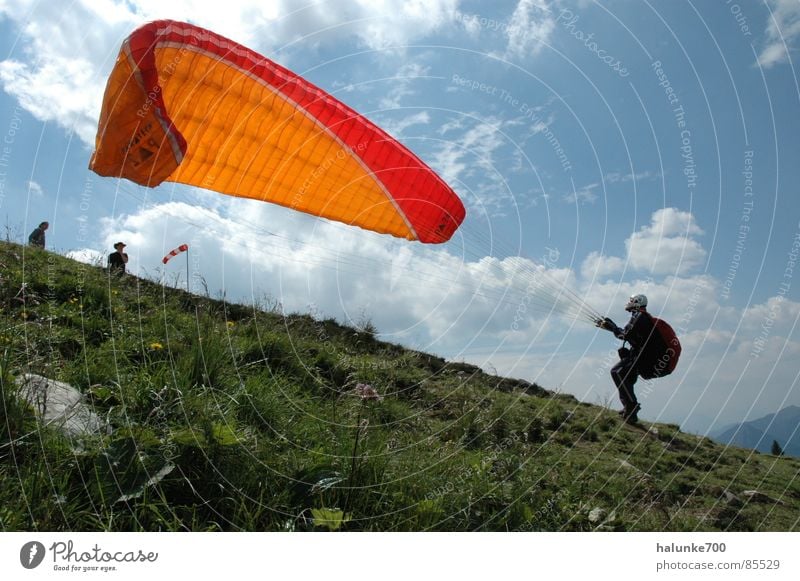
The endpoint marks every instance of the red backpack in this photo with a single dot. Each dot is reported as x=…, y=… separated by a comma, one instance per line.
x=670, y=352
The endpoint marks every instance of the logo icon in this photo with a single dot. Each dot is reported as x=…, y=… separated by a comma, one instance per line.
x=31, y=555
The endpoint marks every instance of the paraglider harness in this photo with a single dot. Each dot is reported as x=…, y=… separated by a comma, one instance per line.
x=659, y=357
x=669, y=350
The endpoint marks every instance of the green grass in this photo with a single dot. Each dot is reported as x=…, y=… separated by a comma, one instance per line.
x=231, y=417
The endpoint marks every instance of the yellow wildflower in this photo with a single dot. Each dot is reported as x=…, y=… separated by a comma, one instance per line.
x=156, y=346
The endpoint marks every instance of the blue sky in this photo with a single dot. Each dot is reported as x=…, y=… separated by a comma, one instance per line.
x=628, y=146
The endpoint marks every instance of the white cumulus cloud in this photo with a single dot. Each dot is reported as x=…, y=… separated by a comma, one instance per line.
x=782, y=32
x=59, y=72
x=417, y=294
x=667, y=245
x=35, y=189
x=530, y=26
x=598, y=266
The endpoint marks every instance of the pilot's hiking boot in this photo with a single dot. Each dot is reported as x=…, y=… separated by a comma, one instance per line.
x=631, y=414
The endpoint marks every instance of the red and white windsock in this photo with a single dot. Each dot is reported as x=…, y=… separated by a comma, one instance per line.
x=176, y=252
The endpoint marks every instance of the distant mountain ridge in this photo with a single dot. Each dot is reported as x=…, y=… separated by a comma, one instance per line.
x=782, y=427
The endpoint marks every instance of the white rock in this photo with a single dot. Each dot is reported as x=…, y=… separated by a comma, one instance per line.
x=628, y=466
x=756, y=496
x=730, y=497
x=597, y=515
x=59, y=405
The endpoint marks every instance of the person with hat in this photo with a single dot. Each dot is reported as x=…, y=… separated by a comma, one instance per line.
x=117, y=260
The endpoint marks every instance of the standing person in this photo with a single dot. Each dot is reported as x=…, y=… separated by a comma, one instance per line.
x=37, y=236
x=640, y=333
x=117, y=260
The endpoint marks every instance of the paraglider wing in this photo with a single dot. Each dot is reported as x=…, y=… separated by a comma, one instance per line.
x=186, y=105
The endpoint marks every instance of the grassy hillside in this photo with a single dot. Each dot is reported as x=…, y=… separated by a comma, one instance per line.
x=231, y=417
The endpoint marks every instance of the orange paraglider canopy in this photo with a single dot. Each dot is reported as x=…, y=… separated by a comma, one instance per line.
x=186, y=105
